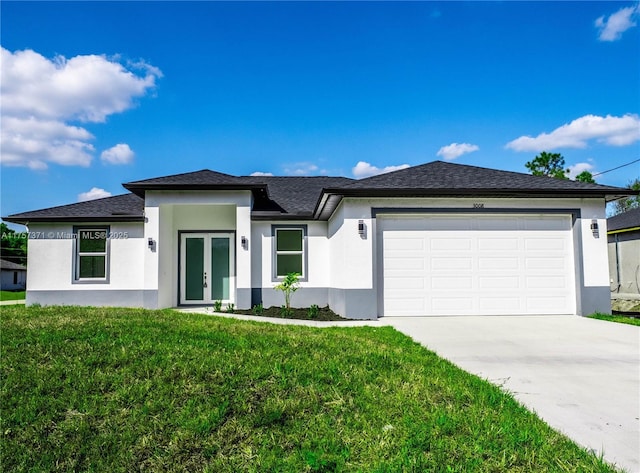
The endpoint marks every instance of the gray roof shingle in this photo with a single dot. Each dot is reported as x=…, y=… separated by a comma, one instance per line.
x=439, y=175
x=125, y=207
x=628, y=219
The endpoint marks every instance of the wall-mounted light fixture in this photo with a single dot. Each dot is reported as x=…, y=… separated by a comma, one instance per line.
x=244, y=242
x=362, y=229
x=150, y=242
x=594, y=228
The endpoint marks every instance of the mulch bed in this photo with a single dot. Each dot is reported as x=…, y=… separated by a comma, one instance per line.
x=324, y=313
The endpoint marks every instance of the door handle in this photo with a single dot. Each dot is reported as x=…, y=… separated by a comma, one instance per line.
x=204, y=284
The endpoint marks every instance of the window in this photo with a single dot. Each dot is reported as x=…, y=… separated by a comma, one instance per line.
x=289, y=251
x=92, y=252
x=15, y=277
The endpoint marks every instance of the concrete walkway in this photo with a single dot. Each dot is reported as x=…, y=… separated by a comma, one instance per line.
x=13, y=302
x=582, y=376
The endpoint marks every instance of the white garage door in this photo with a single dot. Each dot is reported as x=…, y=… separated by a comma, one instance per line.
x=471, y=264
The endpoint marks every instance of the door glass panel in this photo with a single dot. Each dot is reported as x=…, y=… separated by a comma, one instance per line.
x=220, y=269
x=194, y=270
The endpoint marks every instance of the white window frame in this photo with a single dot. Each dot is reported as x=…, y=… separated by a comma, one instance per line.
x=78, y=231
x=303, y=230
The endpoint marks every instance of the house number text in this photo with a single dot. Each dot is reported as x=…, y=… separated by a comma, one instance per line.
x=478, y=206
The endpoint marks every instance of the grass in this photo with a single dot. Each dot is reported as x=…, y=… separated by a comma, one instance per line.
x=124, y=390
x=12, y=295
x=622, y=319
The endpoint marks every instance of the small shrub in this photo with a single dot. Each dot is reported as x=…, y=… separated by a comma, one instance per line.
x=231, y=308
x=313, y=311
x=288, y=286
x=285, y=312
x=217, y=306
x=258, y=309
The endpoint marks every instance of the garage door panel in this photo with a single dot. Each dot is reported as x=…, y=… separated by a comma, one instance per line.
x=449, y=264
x=498, y=283
x=546, y=304
x=499, y=305
x=396, y=241
x=515, y=264
x=545, y=244
x=405, y=263
x=545, y=263
x=406, y=283
x=498, y=264
x=450, y=244
x=452, y=283
x=551, y=283
x=498, y=244
x=445, y=305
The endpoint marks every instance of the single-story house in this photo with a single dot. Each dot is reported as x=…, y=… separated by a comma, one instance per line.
x=13, y=276
x=434, y=239
x=623, y=235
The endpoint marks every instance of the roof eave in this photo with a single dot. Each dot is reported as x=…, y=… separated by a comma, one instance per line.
x=140, y=189
x=63, y=219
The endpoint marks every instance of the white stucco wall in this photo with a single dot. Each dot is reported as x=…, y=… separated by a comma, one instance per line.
x=317, y=253
x=51, y=249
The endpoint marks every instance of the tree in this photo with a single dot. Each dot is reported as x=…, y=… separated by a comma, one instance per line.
x=586, y=176
x=629, y=203
x=13, y=245
x=548, y=164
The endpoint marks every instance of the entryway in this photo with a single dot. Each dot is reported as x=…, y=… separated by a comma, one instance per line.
x=207, y=268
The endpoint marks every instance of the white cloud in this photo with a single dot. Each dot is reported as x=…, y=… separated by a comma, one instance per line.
x=611, y=28
x=118, y=154
x=614, y=131
x=41, y=97
x=301, y=169
x=578, y=168
x=455, y=150
x=94, y=193
x=260, y=173
x=364, y=169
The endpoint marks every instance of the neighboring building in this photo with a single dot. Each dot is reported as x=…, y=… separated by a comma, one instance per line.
x=13, y=277
x=434, y=239
x=623, y=235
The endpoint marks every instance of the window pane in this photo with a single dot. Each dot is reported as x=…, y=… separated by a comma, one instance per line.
x=93, y=241
x=289, y=240
x=288, y=264
x=92, y=267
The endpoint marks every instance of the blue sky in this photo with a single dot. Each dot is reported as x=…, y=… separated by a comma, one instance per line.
x=96, y=94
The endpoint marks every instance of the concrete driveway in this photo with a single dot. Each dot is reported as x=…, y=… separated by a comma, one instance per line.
x=582, y=376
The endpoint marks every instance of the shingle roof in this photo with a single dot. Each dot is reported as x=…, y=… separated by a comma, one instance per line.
x=126, y=207
x=629, y=219
x=439, y=175
x=4, y=264
x=317, y=197
x=295, y=196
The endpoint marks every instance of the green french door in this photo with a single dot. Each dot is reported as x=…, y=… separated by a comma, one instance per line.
x=206, y=268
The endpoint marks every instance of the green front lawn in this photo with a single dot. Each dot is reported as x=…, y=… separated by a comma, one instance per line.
x=12, y=295
x=622, y=319
x=124, y=390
